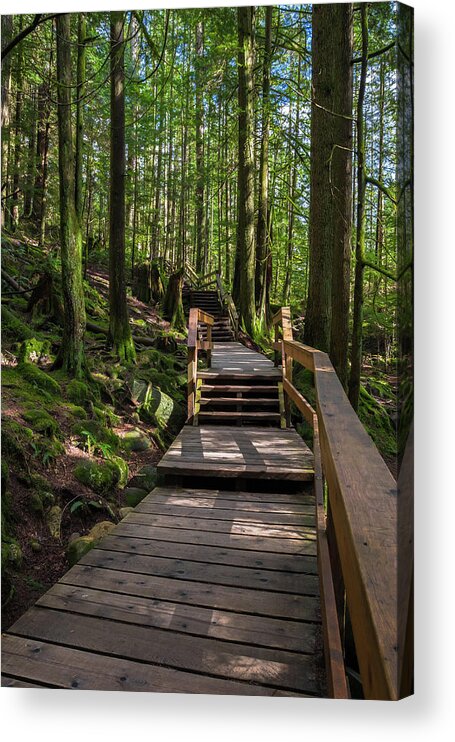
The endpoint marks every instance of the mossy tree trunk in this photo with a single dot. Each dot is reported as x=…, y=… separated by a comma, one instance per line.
x=71, y=355
x=81, y=65
x=172, y=305
x=245, y=229
x=7, y=32
x=119, y=337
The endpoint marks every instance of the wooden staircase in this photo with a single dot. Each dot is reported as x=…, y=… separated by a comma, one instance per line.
x=208, y=301
x=226, y=399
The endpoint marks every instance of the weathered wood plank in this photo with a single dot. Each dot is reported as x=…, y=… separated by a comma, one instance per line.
x=236, y=498
x=216, y=574
x=142, y=529
x=274, y=668
x=64, y=667
x=275, y=518
x=226, y=625
x=210, y=554
x=241, y=600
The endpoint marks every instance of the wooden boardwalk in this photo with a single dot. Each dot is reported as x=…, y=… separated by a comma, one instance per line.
x=197, y=590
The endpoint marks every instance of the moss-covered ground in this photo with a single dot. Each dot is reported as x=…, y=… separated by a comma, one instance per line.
x=70, y=447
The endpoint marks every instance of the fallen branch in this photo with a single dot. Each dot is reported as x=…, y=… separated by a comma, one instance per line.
x=140, y=339
x=12, y=282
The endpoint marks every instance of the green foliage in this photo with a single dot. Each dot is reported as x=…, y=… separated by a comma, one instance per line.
x=78, y=392
x=375, y=418
x=99, y=476
x=96, y=437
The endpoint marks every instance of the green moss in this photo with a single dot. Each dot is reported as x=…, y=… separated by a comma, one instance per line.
x=41, y=422
x=76, y=411
x=122, y=467
x=135, y=440
x=39, y=379
x=13, y=327
x=33, y=349
x=78, y=392
x=16, y=441
x=100, y=476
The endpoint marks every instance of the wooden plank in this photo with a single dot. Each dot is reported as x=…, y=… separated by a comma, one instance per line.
x=305, y=498
x=216, y=574
x=273, y=633
x=237, y=505
x=220, y=597
x=274, y=668
x=210, y=554
x=300, y=401
x=250, y=472
x=221, y=526
x=10, y=682
x=64, y=667
x=304, y=545
x=275, y=518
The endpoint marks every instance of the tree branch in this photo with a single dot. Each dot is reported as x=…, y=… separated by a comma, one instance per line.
x=37, y=21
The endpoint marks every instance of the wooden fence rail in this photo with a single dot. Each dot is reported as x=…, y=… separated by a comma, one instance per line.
x=227, y=301
x=197, y=317
x=358, y=529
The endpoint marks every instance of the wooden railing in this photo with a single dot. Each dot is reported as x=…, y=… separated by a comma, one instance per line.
x=197, y=317
x=227, y=301
x=357, y=530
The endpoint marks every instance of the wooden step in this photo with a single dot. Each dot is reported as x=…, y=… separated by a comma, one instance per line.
x=233, y=414
x=239, y=400
x=238, y=388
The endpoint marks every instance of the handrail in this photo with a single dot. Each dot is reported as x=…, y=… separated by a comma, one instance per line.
x=227, y=301
x=361, y=523
x=197, y=317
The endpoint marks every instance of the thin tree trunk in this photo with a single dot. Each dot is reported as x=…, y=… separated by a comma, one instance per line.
x=200, y=174
x=7, y=32
x=17, y=134
x=28, y=190
x=71, y=355
x=341, y=176
x=119, y=337
x=80, y=91
x=356, y=351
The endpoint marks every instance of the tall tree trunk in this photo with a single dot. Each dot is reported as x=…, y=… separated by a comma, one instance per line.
x=318, y=311
x=356, y=350
x=293, y=135
x=30, y=170
x=246, y=252
x=17, y=134
x=42, y=148
x=262, y=235
x=200, y=174
x=341, y=177
x=80, y=91
x=71, y=355
x=119, y=337
x=7, y=33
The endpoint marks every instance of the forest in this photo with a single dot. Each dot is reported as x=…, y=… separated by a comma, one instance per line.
x=271, y=145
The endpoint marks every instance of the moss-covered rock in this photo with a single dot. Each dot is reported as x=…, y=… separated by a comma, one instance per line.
x=11, y=554
x=123, y=512
x=161, y=410
x=33, y=349
x=39, y=379
x=76, y=411
x=78, y=392
x=41, y=422
x=35, y=503
x=100, y=476
x=16, y=440
x=135, y=440
x=54, y=521
x=134, y=495
x=83, y=544
x=13, y=327
x=122, y=467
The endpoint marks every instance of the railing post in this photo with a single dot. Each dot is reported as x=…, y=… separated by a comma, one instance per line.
x=209, y=349
x=287, y=360
x=192, y=371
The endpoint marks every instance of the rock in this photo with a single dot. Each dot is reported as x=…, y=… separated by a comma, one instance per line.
x=41, y=422
x=145, y=479
x=134, y=495
x=78, y=393
x=100, y=476
x=123, y=512
x=54, y=520
x=39, y=378
x=32, y=350
x=161, y=410
x=101, y=529
x=14, y=554
x=35, y=545
x=122, y=468
x=79, y=546
x=135, y=440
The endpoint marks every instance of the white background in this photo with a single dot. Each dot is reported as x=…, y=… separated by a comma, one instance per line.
x=429, y=714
